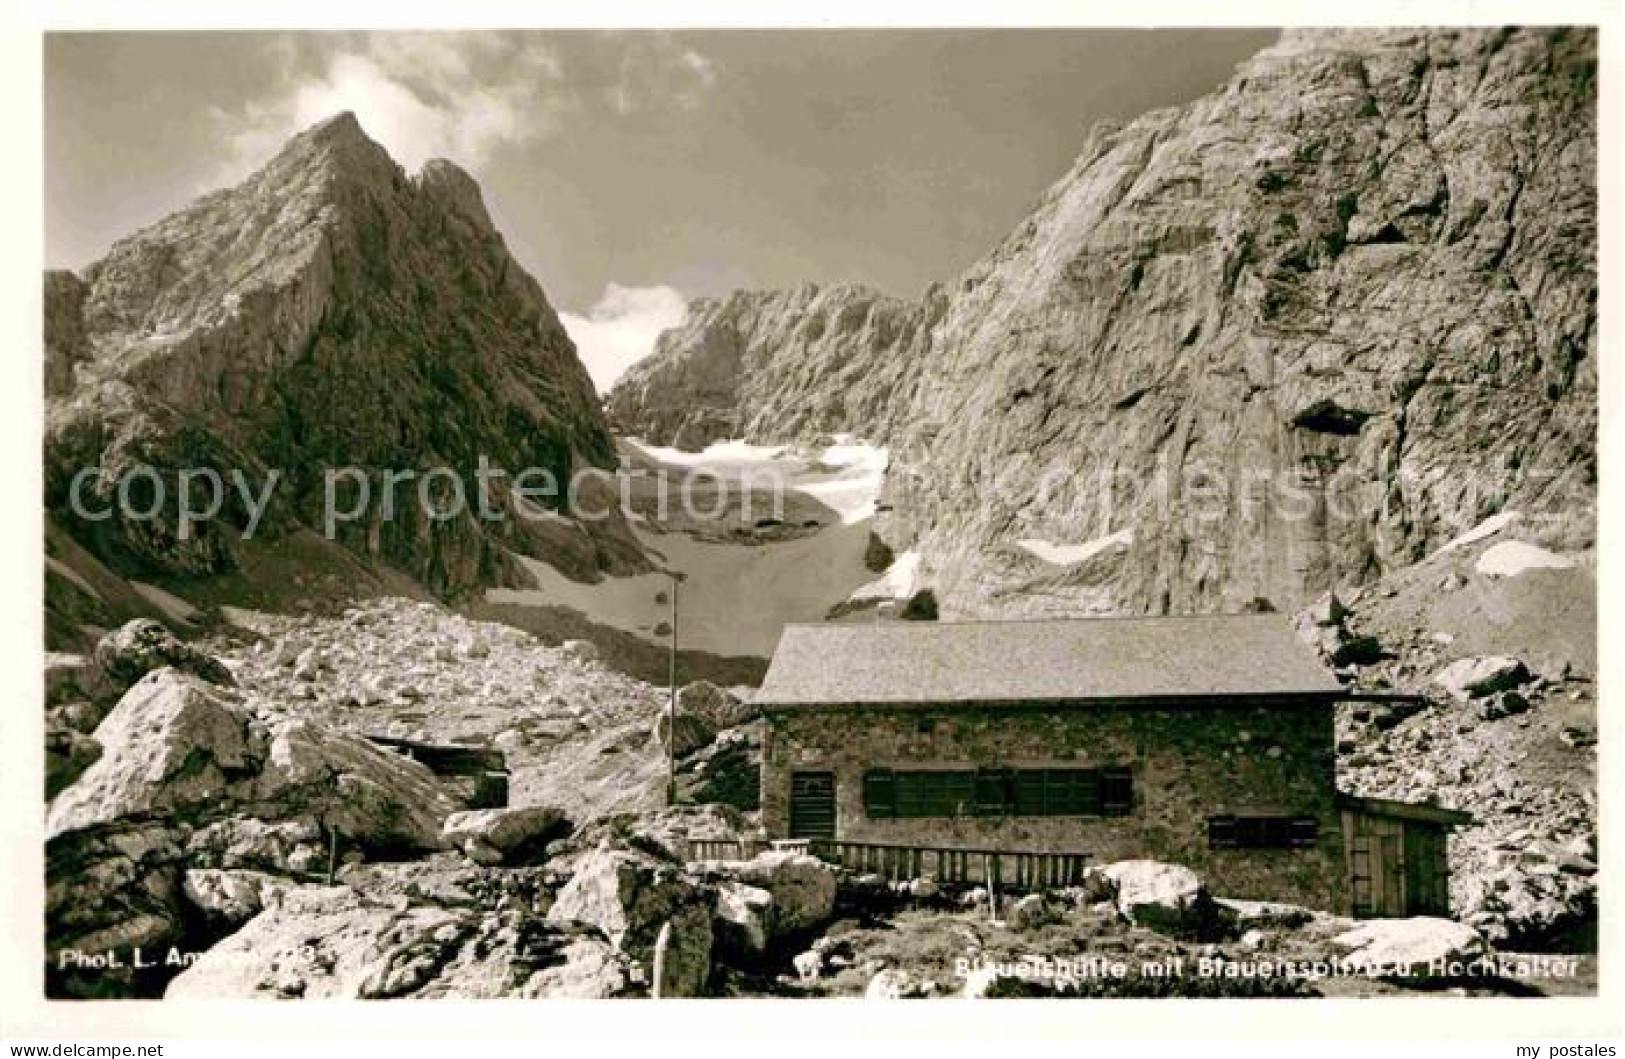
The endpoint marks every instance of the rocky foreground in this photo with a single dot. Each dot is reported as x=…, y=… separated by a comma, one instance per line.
x=182, y=777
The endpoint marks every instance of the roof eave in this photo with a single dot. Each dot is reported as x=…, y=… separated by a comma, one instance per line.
x=1432, y=814
x=1218, y=698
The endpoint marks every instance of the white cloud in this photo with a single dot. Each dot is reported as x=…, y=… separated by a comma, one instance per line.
x=423, y=96
x=621, y=327
x=700, y=66
x=656, y=71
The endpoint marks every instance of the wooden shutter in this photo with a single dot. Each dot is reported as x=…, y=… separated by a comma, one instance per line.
x=908, y=795
x=929, y=793
x=1116, y=791
x=1303, y=832
x=937, y=794
x=992, y=792
x=1028, y=788
x=961, y=793
x=1072, y=792
x=1262, y=832
x=880, y=794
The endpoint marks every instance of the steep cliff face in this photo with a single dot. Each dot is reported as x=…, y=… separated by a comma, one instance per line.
x=329, y=312
x=783, y=364
x=1299, y=332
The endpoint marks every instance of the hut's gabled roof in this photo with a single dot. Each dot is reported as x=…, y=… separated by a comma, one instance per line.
x=1101, y=659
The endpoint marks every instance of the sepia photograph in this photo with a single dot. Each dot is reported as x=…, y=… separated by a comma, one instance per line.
x=961, y=512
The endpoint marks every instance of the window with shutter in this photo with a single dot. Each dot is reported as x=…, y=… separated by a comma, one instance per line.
x=1073, y=792
x=1268, y=832
x=910, y=795
x=937, y=797
x=916, y=795
x=1262, y=832
x=889, y=794
x=880, y=794
x=992, y=792
x=1031, y=798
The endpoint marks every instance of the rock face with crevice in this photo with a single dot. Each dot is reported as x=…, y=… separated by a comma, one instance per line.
x=328, y=312
x=1301, y=331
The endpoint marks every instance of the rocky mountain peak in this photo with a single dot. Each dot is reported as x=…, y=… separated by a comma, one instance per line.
x=337, y=128
x=338, y=143
x=326, y=312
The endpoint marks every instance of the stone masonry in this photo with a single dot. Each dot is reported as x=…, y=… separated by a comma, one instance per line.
x=1189, y=762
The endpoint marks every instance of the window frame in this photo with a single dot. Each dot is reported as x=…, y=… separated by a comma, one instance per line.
x=1262, y=831
x=998, y=791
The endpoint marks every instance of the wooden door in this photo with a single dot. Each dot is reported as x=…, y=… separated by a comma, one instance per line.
x=1377, y=872
x=1427, y=875
x=812, y=805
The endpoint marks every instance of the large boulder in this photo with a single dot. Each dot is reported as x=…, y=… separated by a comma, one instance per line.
x=629, y=897
x=229, y=898
x=894, y=983
x=803, y=887
x=177, y=745
x=692, y=732
x=112, y=888
x=1472, y=678
x=743, y=921
x=1169, y=898
x=727, y=771
x=290, y=847
x=1409, y=946
x=135, y=649
x=1138, y=884
x=1028, y=912
x=172, y=743
x=375, y=798
x=504, y=836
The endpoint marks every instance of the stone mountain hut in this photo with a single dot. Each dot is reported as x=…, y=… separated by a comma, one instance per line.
x=1204, y=741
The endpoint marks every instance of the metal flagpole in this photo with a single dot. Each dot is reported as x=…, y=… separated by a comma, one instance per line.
x=671, y=703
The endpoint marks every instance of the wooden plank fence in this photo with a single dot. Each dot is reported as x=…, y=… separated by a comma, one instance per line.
x=1003, y=868
x=723, y=848
x=1006, y=869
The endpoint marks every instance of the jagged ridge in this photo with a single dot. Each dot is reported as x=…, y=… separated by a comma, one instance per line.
x=1364, y=266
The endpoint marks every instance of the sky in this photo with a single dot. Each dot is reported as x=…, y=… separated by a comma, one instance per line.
x=632, y=171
